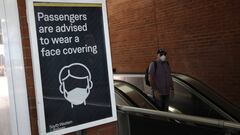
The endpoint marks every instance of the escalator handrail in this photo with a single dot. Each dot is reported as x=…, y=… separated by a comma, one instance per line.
x=204, y=99
x=182, y=117
x=125, y=96
x=141, y=93
x=200, y=82
x=211, y=95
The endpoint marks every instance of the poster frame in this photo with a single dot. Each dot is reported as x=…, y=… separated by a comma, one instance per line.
x=37, y=73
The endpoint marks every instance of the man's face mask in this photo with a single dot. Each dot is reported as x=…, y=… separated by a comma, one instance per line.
x=163, y=57
x=79, y=90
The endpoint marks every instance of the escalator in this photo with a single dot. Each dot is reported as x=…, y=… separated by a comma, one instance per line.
x=191, y=96
x=209, y=96
x=190, y=99
x=134, y=95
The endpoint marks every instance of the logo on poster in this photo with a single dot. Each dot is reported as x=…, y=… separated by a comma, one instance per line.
x=79, y=91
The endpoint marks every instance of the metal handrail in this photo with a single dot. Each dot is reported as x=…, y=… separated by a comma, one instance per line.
x=204, y=99
x=220, y=101
x=187, y=118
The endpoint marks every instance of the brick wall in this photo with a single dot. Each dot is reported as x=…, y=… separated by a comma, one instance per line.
x=132, y=33
x=202, y=38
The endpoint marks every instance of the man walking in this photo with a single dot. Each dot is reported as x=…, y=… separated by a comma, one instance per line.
x=160, y=80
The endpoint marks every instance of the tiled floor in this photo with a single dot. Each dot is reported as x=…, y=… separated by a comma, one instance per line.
x=4, y=108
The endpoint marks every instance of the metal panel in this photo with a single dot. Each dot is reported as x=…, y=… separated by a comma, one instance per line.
x=14, y=112
x=4, y=93
x=123, y=123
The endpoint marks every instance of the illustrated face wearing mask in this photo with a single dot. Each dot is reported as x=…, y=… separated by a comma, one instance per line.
x=75, y=89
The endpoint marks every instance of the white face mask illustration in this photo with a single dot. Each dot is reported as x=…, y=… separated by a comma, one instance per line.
x=76, y=94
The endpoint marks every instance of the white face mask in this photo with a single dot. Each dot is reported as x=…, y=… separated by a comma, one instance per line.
x=77, y=95
x=163, y=58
